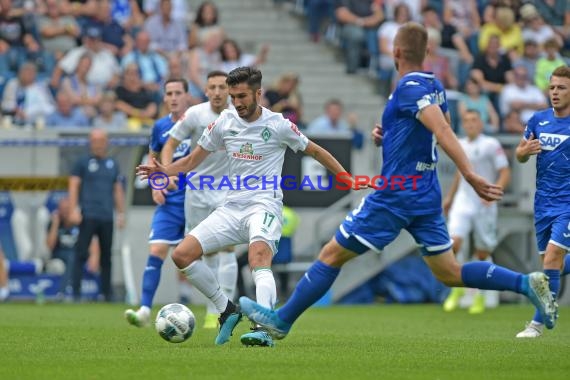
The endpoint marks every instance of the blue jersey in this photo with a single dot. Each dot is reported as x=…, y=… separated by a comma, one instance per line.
x=158, y=138
x=552, y=163
x=410, y=184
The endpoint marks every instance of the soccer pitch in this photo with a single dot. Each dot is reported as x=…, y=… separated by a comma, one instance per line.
x=93, y=341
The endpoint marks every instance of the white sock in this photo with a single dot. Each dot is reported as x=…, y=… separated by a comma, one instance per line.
x=265, y=289
x=202, y=278
x=144, y=310
x=213, y=262
x=228, y=273
x=4, y=293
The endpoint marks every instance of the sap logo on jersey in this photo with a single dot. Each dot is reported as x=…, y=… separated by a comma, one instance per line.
x=551, y=141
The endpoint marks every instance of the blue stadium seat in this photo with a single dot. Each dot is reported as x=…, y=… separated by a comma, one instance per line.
x=6, y=233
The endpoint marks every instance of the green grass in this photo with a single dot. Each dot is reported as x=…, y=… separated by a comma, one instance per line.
x=93, y=341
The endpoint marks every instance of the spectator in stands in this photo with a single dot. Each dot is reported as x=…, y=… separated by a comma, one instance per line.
x=25, y=98
x=153, y=66
x=464, y=16
x=557, y=12
x=535, y=29
x=66, y=114
x=58, y=32
x=17, y=42
x=4, y=288
x=80, y=91
x=179, y=12
x=128, y=14
x=474, y=99
x=207, y=19
x=512, y=123
x=104, y=69
x=387, y=33
x=437, y=63
x=113, y=35
x=109, y=117
x=451, y=40
x=97, y=197
x=547, y=63
x=232, y=56
x=414, y=7
x=284, y=97
x=333, y=122
x=166, y=35
x=508, y=31
x=63, y=232
x=203, y=59
x=134, y=100
x=492, y=70
x=522, y=96
x=360, y=20
x=529, y=58
x=317, y=11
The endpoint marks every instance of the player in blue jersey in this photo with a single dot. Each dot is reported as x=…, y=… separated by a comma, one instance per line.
x=168, y=223
x=547, y=135
x=415, y=119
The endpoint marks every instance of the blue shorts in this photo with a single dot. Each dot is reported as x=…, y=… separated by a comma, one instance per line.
x=372, y=227
x=553, y=229
x=168, y=224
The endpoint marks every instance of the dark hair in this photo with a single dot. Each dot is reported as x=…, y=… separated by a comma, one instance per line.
x=334, y=102
x=473, y=110
x=412, y=40
x=199, y=18
x=244, y=74
x=177, y=80
x=429, y=8
x=217, y=73
x=234, y=44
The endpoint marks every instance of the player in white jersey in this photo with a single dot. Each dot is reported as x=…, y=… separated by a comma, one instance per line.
x=255, y=140
x=200, y=202
x=467, y=211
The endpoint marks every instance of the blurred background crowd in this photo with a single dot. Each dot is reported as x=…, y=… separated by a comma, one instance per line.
x=102, y=62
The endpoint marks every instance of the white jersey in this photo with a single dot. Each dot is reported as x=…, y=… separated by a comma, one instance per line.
x=256, y=152
x=192, y=124
x=487, y=157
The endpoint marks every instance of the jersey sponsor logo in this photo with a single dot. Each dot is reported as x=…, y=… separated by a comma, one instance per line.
x=295, y=129
x=551, y=141
x=433, y=98
x=423, y=166
x=246, y=153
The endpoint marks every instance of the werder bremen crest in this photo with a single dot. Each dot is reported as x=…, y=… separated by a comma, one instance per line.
x=265, y=134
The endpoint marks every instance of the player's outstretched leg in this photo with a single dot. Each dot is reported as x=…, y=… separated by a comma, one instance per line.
x=534, y=328
x=484, y=275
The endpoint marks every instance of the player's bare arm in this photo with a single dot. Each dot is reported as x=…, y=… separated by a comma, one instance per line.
x=324, y=158
x=527, y=148
x=185, y=164
x=448, y=200
x=433, y=119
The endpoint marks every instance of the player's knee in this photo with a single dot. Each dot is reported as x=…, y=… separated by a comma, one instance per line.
x=184, y=255
x=159, y=250
x=259, y=256
x=334, y=254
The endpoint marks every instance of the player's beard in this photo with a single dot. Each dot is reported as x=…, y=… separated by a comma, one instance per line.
x=250, y=111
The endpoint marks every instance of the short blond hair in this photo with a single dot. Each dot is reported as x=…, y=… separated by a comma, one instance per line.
x=412, y=40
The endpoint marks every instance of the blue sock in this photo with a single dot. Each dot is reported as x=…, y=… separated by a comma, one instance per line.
x=151, y=278
x=554, y=284
x=566, y=266
x=314, y=284
x=489, y=276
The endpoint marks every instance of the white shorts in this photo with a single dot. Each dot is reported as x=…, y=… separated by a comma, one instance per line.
x=198, y=204
x=482, y=221
x=231, y=225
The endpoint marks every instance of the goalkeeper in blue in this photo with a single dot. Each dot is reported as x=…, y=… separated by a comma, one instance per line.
x=547, y=137
x=415, y=118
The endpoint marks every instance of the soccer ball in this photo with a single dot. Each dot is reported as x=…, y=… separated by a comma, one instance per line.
x=175, y=323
